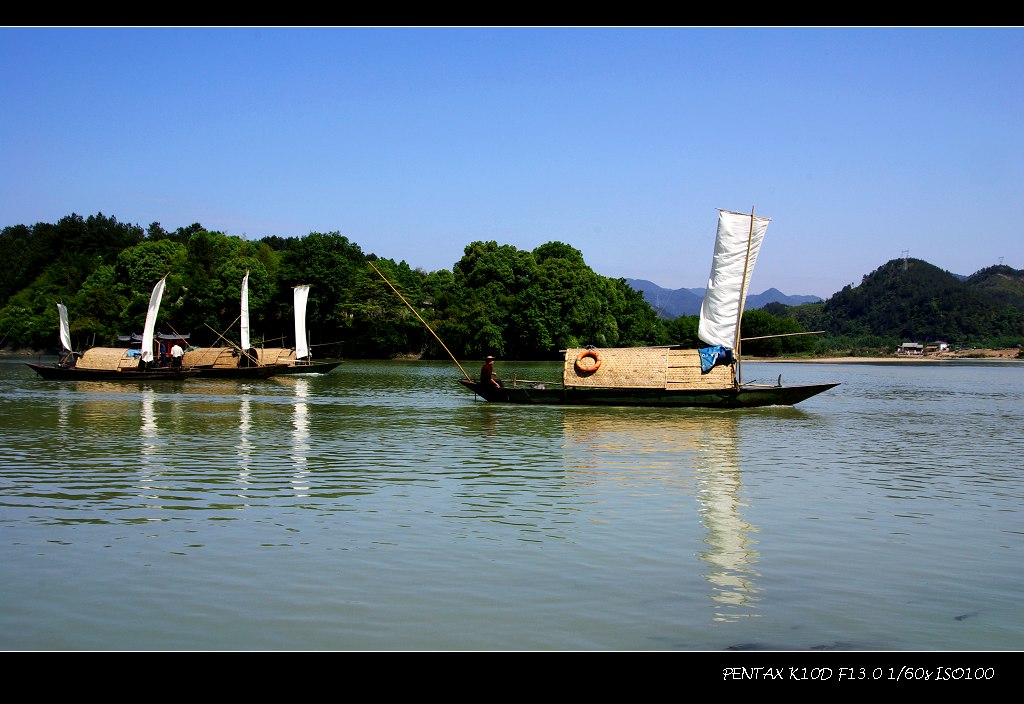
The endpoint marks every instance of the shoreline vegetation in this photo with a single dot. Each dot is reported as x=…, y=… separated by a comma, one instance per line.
x=1010, y=354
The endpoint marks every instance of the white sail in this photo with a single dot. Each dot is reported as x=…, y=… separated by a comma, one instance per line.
x=245, y=312
x=65, y=328
x=301, y=345
x=736, y=247
x=147, y=333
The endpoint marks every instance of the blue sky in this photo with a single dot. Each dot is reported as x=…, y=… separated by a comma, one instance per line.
x=861, y=144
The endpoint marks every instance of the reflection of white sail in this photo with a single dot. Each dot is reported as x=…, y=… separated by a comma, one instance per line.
x=244, y=319
x=300, y=437
x=736, y=248
x=148, y=429
x=301, y=345
x=65, y=328
x=147, y=333
x=678, y=450
x=244, y=441
x=730, y=552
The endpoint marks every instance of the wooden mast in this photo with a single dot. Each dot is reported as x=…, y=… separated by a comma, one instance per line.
x=737, y=377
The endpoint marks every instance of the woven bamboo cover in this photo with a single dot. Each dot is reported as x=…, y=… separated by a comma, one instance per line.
x=107, y=359
x=644, y=368
x=219, y=357
x=276, y=355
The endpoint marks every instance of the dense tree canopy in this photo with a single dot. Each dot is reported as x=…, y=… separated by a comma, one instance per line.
x=496, y=299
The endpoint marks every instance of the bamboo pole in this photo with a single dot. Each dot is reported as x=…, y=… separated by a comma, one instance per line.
x=784, y=334
x=244, y=352
x=421, y=320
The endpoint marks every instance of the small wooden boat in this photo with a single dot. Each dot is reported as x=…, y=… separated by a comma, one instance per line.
x=300, y=360
x=112, y=363
x=62, y=373
x=247, y=362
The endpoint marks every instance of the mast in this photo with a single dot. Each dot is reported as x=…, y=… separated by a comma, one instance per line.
x=737, y=374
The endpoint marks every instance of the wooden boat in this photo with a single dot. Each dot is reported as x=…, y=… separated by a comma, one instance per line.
x=672, y=376
x=233, y=362
x=111, y=363
x=300, y=361
x=57, y=372
x=297, y=360
x=568, y=394
x=306, y=366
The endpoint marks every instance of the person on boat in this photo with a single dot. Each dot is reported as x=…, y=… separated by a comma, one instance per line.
x=176, y=353
x=487, y=373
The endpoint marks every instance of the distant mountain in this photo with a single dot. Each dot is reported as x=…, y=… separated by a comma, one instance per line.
x=671, y=303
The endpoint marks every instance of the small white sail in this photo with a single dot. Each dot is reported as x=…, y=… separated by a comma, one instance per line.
x=65, y=328
x=147, y=333
x=245, y=312
x=736, y=247
x=301, y=345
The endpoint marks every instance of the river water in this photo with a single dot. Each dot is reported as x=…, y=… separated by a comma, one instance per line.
x=383, y=507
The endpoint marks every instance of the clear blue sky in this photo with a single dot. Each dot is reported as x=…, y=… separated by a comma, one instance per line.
x=861, y=144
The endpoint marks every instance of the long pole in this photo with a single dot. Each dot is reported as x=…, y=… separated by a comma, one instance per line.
x=244, y=352
x=784, y=334
x=421, y=320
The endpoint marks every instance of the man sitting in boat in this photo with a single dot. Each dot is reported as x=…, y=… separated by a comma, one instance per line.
x=487, y=373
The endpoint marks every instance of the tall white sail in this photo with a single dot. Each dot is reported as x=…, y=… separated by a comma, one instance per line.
x=65, y=328
x=736, y=247
x=244, y=324
x=301, y=345
x=147, y=333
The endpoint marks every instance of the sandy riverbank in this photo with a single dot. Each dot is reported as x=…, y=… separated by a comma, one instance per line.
x=1009, y=354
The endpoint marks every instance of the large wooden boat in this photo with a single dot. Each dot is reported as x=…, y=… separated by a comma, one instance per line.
x=708, y=377
x=667, y=377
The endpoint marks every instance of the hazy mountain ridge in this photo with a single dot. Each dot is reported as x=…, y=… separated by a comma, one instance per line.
x=672, y=303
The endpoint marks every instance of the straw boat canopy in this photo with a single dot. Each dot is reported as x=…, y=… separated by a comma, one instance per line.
x=642, y=368
x=108, y=359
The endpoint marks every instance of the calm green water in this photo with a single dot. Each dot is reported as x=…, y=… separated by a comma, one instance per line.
x=383, y=507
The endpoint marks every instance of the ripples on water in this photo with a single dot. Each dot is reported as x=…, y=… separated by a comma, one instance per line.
x=384, y=507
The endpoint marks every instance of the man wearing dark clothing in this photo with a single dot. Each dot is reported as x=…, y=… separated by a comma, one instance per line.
x=487, y=372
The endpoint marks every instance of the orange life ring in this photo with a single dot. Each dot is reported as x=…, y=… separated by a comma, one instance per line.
x=580, y=369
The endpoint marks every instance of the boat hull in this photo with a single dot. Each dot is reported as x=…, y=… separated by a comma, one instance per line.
x=311, y=368
x=263, y=371
x=556, y=394
x=50, y=371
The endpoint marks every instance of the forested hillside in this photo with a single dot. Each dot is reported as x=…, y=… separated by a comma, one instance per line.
x=912, y=300
x=496, y=299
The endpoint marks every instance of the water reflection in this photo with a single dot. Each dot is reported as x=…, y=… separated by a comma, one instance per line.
x=730, y=555
x=698, y=450
x=300, y=438
x=244, y=439
x=148, y=429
